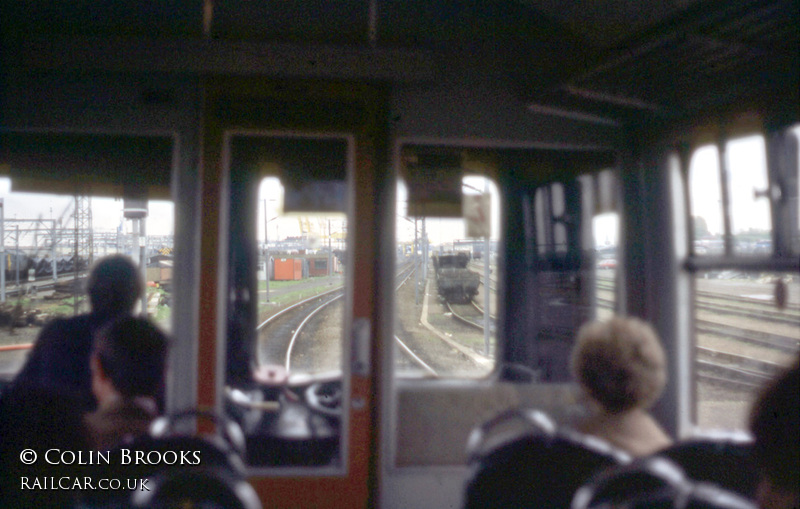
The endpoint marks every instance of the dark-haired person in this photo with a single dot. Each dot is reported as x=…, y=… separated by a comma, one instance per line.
x=775, y=423
x=60, y=357
x=128, y=364
x=620, y=366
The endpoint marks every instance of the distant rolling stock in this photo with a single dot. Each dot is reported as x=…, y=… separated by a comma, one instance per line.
x=454, y=281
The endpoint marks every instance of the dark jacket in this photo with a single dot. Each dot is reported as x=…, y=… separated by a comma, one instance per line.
x=60, y=357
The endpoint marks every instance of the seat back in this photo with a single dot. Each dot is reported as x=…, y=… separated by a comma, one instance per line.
x=541, y=467
x=710, y=496
x=653, y=483
x=724, y=459
x=213, y=488
x=179, y=469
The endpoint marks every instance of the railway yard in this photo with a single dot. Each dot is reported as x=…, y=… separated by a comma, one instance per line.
x=742, y=338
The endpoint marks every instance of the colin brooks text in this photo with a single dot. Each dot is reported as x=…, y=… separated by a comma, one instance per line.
x=124, y=456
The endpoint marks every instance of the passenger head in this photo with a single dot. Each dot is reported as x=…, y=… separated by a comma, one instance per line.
x=775, y=423
x=114, y=285
x=129, y=359
x=620, y=364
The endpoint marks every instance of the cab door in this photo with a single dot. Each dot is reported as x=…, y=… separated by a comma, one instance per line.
x=243, y=112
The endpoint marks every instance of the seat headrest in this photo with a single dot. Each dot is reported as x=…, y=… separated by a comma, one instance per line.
x=197, y=487
x=533, y=465
x=646, y=483
x=654, y=482
x=723, y=459
x=214, y=475
x=228, y=430
x=710, y=496
x=505, y=427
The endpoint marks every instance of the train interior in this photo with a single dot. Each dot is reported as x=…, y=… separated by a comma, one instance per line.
x=585, y=159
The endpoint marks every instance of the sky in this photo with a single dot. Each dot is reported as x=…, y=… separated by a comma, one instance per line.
x=106, y=212
x=447, y=230
x=746, y=158
x=281, y=226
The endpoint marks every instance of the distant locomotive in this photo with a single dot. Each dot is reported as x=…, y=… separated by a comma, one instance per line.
x=454, y=281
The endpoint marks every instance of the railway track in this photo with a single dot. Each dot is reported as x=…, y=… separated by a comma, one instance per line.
x=458, y=314
x=776, y=341
x=771, y=316
x=284, y=328
x=407, y=352
x=713, y=365
x=461, y=318
x=783, y=343
x=447, y=351
x=731, y=369
x=725, y=368
x=65, y=279
x=480, y=310
x=792, y=309
x=751, y=335
x=722, y=303
x=288, y=326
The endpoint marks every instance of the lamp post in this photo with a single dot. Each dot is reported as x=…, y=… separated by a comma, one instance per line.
x=16, y=256
x=416, y=258
x=135, y=208
x=266, y=245
x=416, y=263
x=486, y=286
x=330, y=255
x=2, y=253
x=266, y=248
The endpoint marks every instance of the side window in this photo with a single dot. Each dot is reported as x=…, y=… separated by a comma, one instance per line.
x=447, y=278
x=605, y=230
x=751, y=223
x=559, y=289
x=746, y=304
x=551, y=232
x=605, y=235
x=707, y=219
x=733, y=199
x=48, y=243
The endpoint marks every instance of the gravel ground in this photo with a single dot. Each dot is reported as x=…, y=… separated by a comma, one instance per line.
x=442, y=357
x=721, y=407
